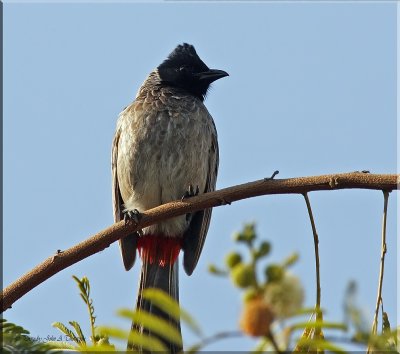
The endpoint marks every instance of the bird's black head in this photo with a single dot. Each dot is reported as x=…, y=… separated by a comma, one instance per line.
x=184, y=69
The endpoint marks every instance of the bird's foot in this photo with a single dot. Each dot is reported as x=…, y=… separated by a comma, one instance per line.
x=190, y=192
x=133, y=215
x=272, y=176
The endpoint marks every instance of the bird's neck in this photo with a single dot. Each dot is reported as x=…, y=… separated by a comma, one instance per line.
x=154, y=86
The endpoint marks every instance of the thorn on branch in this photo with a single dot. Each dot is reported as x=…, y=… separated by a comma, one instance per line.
x=223, y=201
x=362, y=171
x=272, y=176
x=58, y=252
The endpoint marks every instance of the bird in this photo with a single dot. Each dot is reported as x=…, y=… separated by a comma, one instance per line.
x=165, y=148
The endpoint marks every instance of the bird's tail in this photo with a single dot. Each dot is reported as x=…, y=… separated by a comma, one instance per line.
x=160, y=271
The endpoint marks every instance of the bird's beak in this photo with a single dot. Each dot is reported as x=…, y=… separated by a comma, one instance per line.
x=212, y=75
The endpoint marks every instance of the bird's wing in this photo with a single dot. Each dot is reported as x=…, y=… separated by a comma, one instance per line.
x=195, y=235
x=127, y=244
x=116, y=195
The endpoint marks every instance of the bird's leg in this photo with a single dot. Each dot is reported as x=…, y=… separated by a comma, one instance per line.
x=190, y=192
x=272, y=177
x=133, y=215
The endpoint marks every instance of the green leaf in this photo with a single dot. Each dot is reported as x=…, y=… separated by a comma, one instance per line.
x=319, y=344
x=243, y=275
x=319, y=324
x=85, y=299
x=307, y=311
x=385, y=323
x=194, y=348
x=11, y=327
x=232, y=259
x=61, y=345
x=84, y=287
x=15, y=339
x=154, y=324
x=247, y=235
x=292, y=259
x=139, y=339
x=164, y=302
x=66, y=331
x=274, y=272
x=213, y=269
x=263, y=250
x=96, y=349
x=261, y=346
x=78, y=330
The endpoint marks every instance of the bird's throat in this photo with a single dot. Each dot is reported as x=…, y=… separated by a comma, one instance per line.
x=159, y=249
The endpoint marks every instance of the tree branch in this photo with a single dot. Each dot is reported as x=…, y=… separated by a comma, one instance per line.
x=103, y=239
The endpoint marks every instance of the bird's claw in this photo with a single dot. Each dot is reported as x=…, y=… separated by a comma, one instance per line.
x=272, y=176
x=190, y=192
x=133, y=215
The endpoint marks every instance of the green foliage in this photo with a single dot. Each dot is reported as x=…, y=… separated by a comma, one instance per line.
x=171, y=307
x=216, y=271
x=275, y=288
x=84, y=287
x=274, y=272
x=75, y=334
x=69, y=333
x=289, y=261
x=283, y=292
x=318, y=345
x=153, y=323
x=145, y=341
x=16, y=339
x=386, y=341
x=247, y=235
x=263, y=250
x=243, y=275
x=232, y=259
x=100, y=335
x=156, y=325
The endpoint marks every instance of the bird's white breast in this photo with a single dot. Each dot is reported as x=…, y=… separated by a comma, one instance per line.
x=161, y=152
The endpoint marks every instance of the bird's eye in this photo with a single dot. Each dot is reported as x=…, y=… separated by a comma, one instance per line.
x=183, y=68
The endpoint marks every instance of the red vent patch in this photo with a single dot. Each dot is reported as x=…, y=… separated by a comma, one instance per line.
x=159, y=249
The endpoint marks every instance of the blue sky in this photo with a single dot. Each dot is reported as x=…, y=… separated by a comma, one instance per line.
x=312, y=90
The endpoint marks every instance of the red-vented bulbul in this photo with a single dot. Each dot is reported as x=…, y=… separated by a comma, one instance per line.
x=166, y=143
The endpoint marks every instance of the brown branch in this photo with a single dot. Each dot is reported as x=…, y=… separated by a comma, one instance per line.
x=103, y=239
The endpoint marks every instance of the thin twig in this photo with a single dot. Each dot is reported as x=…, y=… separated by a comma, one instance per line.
x=272, y=339
x=98, y=242
x=319, y=316
x=216, y=337
x=316, y=251
x=382, y=265
x=224, y=335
